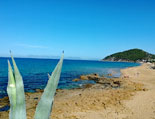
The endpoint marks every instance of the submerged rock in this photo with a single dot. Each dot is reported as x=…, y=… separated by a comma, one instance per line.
x=4, y=104
x=76, y=80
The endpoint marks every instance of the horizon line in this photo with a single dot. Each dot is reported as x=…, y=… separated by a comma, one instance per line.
x=53, y=57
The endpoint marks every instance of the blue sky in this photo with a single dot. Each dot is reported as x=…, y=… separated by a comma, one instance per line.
x=89, y=29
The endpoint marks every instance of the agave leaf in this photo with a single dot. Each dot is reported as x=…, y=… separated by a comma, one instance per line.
x=44, y=106
x=20, y=96
x=11, y=90
x=48, y=76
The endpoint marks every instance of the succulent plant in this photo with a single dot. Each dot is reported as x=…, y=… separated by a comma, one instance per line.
x=15, y=90
x=16, y=94
x=44, y=106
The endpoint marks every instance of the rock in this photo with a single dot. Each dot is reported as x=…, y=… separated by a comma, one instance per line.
x=107, y=82
x=153, y=67
x=117, y=83
x=90, y=77
x=39, y=90
x=103, y=81
x=94, y=77
x=126, y=76
x=96, y=74
x=4, y=104
x=76, y=80
x=109, y=74
x=84, y=77
x=36, y=98
x=88, y=85
x=144, y=89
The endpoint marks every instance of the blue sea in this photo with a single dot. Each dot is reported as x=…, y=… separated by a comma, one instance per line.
x=34, y=72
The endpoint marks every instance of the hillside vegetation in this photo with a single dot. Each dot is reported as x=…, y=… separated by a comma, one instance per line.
x=134, y=55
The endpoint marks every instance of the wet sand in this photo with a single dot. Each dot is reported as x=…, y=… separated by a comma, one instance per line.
x=135, y=99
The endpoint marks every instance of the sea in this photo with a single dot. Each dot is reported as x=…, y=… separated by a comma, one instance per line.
x=35, y=72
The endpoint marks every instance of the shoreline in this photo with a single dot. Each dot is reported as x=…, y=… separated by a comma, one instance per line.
x=140, y=62
x=98, y=102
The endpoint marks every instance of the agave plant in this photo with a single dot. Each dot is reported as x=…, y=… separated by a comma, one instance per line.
x=15, y=90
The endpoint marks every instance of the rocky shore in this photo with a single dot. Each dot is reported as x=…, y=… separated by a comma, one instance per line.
x=109, y=98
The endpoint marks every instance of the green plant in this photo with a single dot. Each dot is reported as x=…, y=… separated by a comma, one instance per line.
x=15, y=90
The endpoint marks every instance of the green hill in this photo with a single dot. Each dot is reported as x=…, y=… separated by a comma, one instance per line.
x=133, y=55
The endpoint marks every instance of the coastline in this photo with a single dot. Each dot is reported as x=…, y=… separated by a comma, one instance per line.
x=137, y=85
x=140, y=62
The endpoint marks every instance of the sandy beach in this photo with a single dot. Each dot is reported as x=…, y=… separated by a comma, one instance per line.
x=134, y=99
x=142, y=104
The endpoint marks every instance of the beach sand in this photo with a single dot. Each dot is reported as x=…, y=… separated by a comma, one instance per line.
x=135, y=99
x=142, y=105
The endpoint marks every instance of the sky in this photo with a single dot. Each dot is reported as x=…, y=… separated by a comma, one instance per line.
x=86, y=29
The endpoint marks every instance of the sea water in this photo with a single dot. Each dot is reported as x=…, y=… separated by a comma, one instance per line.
x=35, y=72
